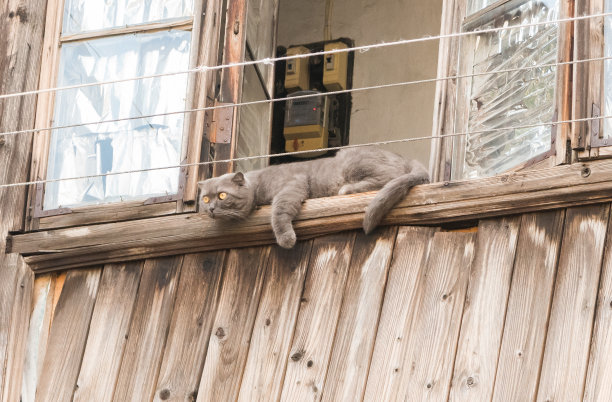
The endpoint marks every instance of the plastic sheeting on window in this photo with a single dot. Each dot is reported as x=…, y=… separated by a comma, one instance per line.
x=125, y=145
x=511, y=99
x=90, y=15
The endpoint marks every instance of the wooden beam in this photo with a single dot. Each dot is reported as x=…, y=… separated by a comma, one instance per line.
x=432, y=204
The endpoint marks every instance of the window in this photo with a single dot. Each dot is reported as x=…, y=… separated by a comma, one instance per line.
x=93, y=50
x=500, y=112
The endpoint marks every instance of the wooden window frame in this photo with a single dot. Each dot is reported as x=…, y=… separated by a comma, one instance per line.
x=450, y=112
x=205, y=26
x=589, y=84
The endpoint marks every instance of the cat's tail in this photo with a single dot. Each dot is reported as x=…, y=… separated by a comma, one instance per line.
x=392, y=193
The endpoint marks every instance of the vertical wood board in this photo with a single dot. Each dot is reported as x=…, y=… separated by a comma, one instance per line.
x=108, y=332
x=194, y=312
x=483, y=317
x=275, y=323
x=229, y=343
x=69, y=330
x=148, y=330
x=522, y=345
x=317, y=317
x=571, y=317
x=358, y=322
x=434, y=329
x=409, y=257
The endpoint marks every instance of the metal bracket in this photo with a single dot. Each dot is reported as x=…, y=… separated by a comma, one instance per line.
x=222, y=122
x=596, y=141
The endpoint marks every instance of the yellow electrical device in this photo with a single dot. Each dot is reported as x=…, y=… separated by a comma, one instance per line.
x=335, y=67
x=296, y=70
x=306, y=124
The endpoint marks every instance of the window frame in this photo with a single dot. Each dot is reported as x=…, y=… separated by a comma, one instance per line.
x=205, y=30
x=450, y=110
x=589, y=84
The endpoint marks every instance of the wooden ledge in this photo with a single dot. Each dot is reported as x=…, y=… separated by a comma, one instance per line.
x=517, y=192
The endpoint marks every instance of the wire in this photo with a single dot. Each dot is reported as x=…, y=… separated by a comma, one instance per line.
x=247, y=158
x=344, y=91
x=272, y=60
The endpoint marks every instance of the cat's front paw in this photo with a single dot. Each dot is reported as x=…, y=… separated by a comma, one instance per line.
x=346, y=189
x=286, y=240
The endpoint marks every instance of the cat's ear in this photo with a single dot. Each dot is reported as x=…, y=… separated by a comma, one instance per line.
x=238, y=179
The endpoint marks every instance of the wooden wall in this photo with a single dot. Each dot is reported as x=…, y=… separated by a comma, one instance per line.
x=517, y=309
x=21, y=34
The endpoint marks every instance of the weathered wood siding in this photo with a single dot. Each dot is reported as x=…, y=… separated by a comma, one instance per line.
x=516, y=309
x=21, y=37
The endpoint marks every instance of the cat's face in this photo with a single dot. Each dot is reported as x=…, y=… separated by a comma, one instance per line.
x=226, y=197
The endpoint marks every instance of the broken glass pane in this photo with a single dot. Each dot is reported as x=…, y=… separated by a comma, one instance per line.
x=124, y=145
x=510, y=99
x=88, y=15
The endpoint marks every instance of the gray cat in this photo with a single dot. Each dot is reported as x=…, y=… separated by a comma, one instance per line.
x=234, y=196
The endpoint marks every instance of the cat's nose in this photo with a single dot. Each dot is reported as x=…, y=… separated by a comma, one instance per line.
x=211, y=211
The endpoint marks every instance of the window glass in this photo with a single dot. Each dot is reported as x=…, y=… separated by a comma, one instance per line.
x=477, y=5
x=90, y=15
x=608, y=71
x=125, y=145
x=510, y=99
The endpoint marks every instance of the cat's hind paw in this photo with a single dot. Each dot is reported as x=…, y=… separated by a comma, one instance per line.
x=286, y=240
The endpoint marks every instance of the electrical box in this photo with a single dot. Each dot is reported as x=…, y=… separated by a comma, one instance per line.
x=335, y=67
x=306, y=124
x=297, y=76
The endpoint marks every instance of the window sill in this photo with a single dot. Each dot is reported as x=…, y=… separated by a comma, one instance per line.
x=431, y=204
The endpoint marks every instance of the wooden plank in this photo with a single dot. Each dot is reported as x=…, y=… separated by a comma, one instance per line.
x=38, y=332
x=68, y=335
x=358, y=322
x=203, y=93
x=20, y=48
x=483, y=317
x=107, y=213
x=274, y=325
x=512, y=193
x=598, y=385
x=528, y=308
x=184, y=23
x=18, y=334
x=108, y=332
x=227, y=349
x=409, y=257
x=148, y=330
x=317, y=317
x=571, y=317
x=190, y=329
x=230, y=85
x=431, y=345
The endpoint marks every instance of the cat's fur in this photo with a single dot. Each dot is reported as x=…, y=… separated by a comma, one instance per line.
x=286, y=186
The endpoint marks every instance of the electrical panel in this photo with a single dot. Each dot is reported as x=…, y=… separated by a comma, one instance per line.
x=335, y=67
x=317, y=120
x=296, y=71
x=306, y=124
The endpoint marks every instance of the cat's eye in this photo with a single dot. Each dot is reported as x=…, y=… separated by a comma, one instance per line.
x=206, y=199
x=222, y=196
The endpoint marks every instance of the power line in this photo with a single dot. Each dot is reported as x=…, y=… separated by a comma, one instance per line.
x=344, y=91
x=272, y=60
x=247, y=158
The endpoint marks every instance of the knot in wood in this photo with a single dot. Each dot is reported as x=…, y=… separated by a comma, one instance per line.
x=297, y=356
x=586, y=172
x=164, y=394
x=470, y=382
x=220, y=333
